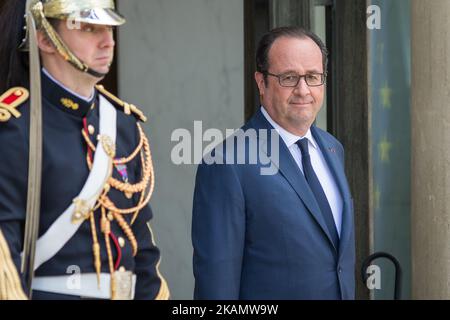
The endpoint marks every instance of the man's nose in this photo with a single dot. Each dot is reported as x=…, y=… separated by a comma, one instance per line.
x=302, y=87
x=107, y=38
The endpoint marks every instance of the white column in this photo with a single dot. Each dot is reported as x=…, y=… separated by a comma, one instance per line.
x=430, y=149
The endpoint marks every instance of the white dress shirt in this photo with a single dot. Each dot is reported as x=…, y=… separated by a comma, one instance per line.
x=319, y=165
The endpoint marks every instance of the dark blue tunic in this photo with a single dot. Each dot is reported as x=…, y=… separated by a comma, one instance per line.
x=65, y=171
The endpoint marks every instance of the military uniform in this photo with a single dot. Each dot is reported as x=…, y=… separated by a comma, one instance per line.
x=71, y=126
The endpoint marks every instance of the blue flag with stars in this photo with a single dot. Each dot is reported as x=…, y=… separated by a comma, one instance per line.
x=389, y=85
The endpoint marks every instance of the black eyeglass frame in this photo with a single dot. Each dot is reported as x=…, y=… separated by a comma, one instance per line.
x=323, y=75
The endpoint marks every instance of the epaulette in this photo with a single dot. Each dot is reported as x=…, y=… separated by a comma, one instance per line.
x=10, y=100
x=127, y=107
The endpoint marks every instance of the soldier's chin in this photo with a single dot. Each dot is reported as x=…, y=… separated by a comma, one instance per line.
x=102, y=66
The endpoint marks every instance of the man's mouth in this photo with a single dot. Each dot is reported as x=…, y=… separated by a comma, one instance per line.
x=103, y=59
x=301, y=103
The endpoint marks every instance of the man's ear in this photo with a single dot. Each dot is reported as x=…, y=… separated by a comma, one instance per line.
x=260, y=81
x=44, y=43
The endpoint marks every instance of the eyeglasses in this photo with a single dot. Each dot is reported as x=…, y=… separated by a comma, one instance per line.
x=292, y=79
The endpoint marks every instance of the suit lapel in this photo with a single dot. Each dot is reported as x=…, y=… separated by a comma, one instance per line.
x=290, y=171
x=334, y=163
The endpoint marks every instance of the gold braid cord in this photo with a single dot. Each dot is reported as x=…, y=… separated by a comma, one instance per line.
x=10, y=286
x=95, y=248
x=164, y=292
x=106, y=230
x=110, y=212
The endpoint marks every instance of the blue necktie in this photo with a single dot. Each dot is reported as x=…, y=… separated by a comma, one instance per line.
x=318, y=192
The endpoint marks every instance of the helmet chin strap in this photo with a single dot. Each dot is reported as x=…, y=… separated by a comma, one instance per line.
x=85, y=68
x=94, y=73
x=61, y=47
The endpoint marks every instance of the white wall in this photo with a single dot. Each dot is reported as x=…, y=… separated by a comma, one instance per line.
x=180, y=61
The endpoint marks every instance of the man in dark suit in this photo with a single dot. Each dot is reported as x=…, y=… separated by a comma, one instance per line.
x=288, y=234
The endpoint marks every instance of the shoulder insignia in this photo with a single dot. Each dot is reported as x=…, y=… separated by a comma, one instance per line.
x=128, y=108
x=10, y=100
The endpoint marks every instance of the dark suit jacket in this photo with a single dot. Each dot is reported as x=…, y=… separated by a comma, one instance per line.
x=263, y=236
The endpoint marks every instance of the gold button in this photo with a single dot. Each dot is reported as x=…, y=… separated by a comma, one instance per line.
x=18, y=93
x=110, y=216
x=121, y=242
x=91, y=129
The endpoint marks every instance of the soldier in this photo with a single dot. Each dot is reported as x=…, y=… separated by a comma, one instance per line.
x=76, y=173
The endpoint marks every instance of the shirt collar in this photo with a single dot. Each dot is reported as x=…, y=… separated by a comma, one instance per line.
x=288, y=138
x=63, y=98
x=67, y=89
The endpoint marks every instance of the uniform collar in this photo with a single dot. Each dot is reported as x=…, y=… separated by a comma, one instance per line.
x=65, y=99
x=288, y=138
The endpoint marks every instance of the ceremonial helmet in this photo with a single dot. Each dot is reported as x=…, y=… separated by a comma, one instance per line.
x=101, y=12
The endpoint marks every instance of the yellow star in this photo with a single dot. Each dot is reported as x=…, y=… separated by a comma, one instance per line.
x=376, y=197
x=384, y=148
x=385, y=93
